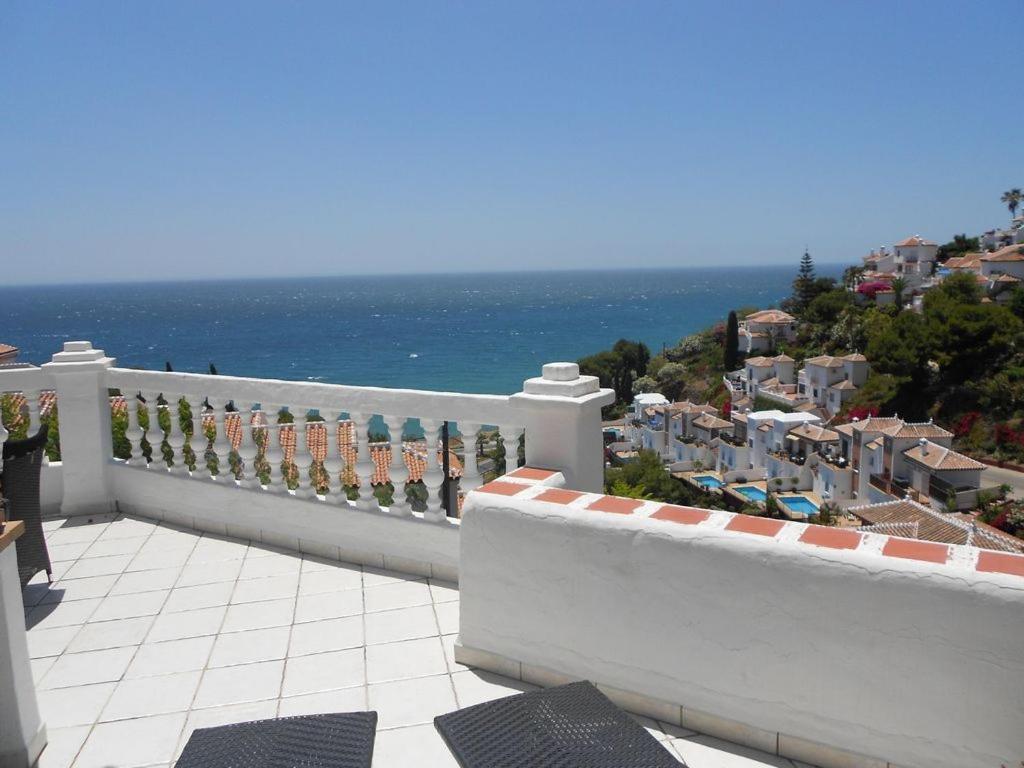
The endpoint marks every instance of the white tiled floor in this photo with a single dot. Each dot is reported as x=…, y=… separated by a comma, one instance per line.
x=150, y=632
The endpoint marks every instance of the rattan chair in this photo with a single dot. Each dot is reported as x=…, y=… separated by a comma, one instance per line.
x=19, y=486
x=571, y=726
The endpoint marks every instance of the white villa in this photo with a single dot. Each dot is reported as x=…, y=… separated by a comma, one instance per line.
x=825, y=382
x=760, y=331
x=1008, y=261
x=195, y=595
x=831, y=381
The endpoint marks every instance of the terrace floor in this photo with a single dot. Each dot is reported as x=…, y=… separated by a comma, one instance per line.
x=149, y=632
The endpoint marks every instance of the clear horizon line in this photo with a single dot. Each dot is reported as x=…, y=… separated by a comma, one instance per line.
x=365, y=275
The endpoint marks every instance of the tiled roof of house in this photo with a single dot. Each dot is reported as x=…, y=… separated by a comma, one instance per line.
x=685, y=406
x=931, y=525
x=913, y=240
x=844, y=384
x=759, y=362
x=770, y=316
x=769, y=383
x=1007, y=253
x=825, y=361
x=876, y=443
x=709, y=421
x=815, y=433
x=783, y=358
x=1005, y=279
x=7, y=349
x=882, y=424
x=738, y=417
x=855, y=357
x=969, y=261
x=927, y=430
x=934, y=456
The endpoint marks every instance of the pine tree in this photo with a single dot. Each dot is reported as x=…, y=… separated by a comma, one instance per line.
x=803, y=286
x=732, y=342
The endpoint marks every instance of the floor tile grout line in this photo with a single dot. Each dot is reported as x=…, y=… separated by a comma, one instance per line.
x=206, y=665
x=288, y=645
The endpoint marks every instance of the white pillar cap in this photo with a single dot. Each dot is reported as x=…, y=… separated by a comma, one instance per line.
x=561, y=371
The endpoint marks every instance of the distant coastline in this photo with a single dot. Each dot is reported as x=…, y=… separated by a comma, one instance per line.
x=481, y=332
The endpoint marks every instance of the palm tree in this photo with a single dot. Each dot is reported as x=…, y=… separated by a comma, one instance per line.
x=898, y=285
x=1013, y=199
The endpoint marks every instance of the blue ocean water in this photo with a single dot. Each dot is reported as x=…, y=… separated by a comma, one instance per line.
x=467, y=333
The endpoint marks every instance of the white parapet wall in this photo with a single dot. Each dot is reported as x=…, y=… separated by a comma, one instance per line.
x=340, y=531
x=836, y=648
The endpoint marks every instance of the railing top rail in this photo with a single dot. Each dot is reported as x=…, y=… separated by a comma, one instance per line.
x=452, y=406
x=24, y=379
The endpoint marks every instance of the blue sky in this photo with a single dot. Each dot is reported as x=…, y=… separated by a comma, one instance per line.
x=197, y=139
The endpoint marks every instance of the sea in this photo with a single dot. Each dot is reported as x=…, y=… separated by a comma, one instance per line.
x=465, y=333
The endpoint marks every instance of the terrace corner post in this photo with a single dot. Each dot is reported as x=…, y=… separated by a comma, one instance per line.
x=561, y=412
x=79, y=375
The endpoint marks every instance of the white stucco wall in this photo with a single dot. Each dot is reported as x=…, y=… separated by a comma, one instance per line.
x=331, y=529
x=910, y=662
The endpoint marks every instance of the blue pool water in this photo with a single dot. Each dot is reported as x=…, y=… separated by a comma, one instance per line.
x=752, y=492
x=707, y=481
x=800, y=504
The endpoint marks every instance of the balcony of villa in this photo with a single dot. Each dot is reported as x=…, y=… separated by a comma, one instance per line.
x=249, y=549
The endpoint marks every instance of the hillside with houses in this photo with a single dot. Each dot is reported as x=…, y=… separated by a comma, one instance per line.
x=879, y=401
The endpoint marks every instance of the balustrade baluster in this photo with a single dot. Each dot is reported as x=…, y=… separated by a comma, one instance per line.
x=154, y=434
x=248, y=450
x=32, y=401
x=176, y=437
x=303, y=457
x=470, y=479
x=364, y=462
x=133, y=432
x=333, y=461
x=398, y=471
x=509, y=436
x=274, y=455
x=197, y=441
x=433, y=474
x=221, y=442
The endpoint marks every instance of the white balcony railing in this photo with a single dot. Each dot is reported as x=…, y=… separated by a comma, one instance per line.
x=300, y=464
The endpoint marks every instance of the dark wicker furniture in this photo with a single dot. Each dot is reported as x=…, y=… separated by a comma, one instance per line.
x=572, y=726
x=19, y=486
x=311, y=741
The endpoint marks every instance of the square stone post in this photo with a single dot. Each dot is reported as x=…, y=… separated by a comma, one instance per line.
x=86, y=445
x=561, y=412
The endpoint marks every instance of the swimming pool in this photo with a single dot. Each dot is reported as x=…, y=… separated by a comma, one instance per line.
x=752, y=492
x=800, y=504
x=707, y=481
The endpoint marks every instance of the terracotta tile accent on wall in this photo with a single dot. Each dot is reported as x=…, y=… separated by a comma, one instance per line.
x=615, y=504
x=911, y=549
x=559, y=496
x=502, y=489
x=1000, y=562
x=762, y=526
x=836, y=538
x=532, y=473
x=684, y=515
